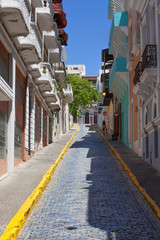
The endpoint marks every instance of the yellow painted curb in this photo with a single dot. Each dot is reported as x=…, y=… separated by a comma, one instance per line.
x=20, y=217
x=133, y=178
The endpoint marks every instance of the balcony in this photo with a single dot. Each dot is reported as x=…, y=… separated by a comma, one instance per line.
x=118, y=39
x=55, y=107
x=15, y=15
x=114, y=6
x=140, y=89
x=136, y=40
x=107, y=65
x=50, y=39
x=118, y=81
x=105, y=77
x=45, y=81
x=37, y=3
x=60, y=73
x=68, y=94
x=55, y=55
x=106, y=84
x=106, y=57
x=149, y=66
x=34, y=70
x=50, y=97
x=45, y=16
x=30, y=46
x=138, y=73
x=107, y=99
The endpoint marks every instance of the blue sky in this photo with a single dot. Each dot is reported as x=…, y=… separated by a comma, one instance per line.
x=88, y=32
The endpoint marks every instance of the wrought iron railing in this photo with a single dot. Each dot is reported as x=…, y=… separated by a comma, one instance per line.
x=138, y=73
x=107, y=66
x=149, y=60
x=149, y=57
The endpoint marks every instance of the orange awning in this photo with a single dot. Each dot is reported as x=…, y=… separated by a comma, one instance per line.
x=59, y=17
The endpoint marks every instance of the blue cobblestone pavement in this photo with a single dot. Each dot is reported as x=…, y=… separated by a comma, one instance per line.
x=90, y=197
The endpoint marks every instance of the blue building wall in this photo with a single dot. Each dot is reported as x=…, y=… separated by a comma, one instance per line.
x=124, y=118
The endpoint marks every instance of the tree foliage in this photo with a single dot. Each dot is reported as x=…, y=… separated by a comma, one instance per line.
x=83, y=94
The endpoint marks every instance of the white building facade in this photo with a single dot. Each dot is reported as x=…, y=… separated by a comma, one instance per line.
x=148, y=79
x=33, y=111
x=77, y=70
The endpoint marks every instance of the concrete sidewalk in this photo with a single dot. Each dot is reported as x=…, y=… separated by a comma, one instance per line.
x=147, y=176
x=16, y=187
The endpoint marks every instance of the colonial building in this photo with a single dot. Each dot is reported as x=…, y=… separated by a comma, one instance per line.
x=33, y=111
x=77, y=70
x=119, y=76
x=147, y=80
x=134, y=42
x=133, y=61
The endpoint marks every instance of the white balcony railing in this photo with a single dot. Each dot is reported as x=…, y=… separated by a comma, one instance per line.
x=55, y=106
x=68, y=94
x=60, y=73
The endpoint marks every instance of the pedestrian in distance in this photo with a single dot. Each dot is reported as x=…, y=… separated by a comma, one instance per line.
x=104, y=126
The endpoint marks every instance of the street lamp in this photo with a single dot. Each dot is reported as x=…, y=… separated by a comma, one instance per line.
x=103, y=93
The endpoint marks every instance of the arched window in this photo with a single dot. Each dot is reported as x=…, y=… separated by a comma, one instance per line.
x=154, y=108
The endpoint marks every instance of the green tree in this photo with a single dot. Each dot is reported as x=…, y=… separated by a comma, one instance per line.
x=83, y=93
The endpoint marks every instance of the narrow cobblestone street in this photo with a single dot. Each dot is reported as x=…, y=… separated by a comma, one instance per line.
x=90, y=197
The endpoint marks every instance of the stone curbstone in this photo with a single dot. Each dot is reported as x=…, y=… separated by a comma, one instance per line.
x=20, y=217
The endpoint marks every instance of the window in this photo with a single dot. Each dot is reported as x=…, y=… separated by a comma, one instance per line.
x=145, y=116
x=155, y=110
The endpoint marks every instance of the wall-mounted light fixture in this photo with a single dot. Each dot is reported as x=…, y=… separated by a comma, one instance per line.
x=103, y=93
